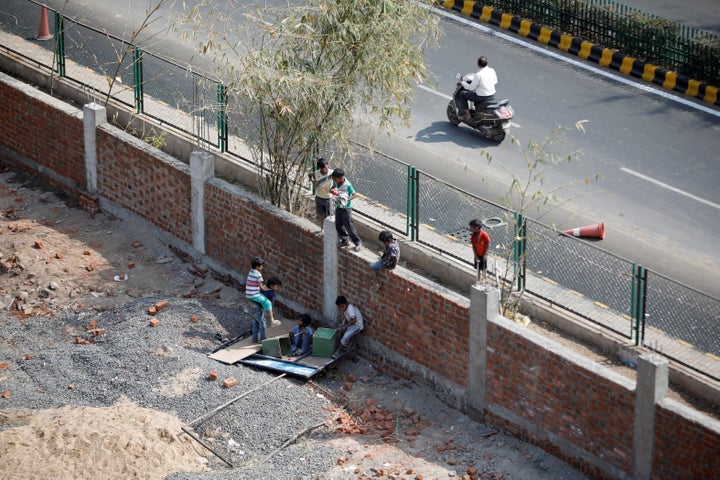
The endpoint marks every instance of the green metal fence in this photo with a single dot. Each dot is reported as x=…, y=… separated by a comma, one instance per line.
x=651, y=39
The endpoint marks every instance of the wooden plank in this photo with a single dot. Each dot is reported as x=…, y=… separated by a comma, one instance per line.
x=246, y=347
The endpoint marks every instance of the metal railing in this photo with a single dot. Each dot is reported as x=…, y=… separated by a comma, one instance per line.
x=649, y=38
x=613, y=293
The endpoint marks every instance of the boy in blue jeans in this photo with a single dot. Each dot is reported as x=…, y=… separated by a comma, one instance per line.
x=301, y=336
x=254, y=286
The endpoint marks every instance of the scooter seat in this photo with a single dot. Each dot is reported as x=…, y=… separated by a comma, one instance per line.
x=494, y=106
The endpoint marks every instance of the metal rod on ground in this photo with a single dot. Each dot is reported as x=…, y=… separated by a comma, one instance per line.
x=195, y=437
x=214, y=411
x=292, y=439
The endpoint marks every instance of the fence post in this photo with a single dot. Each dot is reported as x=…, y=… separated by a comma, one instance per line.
x=519, y=249
x=412, y=228
x=60, y=44
x=202, y=167
x=651, y=388
x=222, y=120
x=138, y=80
x=93, y=116
x=483, y=307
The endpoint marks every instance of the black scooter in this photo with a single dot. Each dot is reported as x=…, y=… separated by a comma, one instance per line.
x=490, y=119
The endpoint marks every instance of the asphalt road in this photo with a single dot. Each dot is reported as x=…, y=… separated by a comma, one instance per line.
x=658, y=153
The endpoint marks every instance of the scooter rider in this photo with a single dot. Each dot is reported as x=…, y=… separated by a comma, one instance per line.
x=479, y=88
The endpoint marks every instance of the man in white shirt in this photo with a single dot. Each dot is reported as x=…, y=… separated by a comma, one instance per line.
x=479, y=88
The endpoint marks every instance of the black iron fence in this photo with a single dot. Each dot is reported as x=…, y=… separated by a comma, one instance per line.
x=651, y=39
x=613, y=293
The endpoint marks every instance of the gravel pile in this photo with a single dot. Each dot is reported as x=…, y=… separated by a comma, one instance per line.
x=166, y=368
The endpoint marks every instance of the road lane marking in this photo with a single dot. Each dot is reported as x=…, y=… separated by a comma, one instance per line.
x=647, y=88
x=669, y=187
x=448, y=97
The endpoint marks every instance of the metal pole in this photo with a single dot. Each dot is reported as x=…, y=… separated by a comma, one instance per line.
x=222, y=120
x=138, y=80
x=60, y=44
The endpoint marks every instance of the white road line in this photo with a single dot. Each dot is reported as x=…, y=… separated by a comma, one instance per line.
x=669, y=187
x=432, y=90
x=599, y=71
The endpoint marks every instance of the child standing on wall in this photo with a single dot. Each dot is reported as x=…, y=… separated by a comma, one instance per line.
x=254, y=286
x=480, y=241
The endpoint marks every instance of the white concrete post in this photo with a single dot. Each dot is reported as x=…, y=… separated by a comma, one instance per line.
x=93, y=116
x=651, y=388
x=202, y=167
x=330, y=268
x=483, y=307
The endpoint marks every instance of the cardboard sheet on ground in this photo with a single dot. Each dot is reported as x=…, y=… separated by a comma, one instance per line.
x=246, y=347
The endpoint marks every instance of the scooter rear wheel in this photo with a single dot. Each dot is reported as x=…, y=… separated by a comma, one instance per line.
x=452, y=114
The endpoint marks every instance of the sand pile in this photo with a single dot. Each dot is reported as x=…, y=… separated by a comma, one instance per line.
x=122, y=441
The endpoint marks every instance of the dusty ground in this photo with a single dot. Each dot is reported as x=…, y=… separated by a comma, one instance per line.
x=55, y=257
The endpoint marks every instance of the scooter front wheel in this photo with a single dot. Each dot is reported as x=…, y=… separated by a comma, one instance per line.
x=497, y=137
x=452, y=113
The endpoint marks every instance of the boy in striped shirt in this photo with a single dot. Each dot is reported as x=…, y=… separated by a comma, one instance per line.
x=254, y=286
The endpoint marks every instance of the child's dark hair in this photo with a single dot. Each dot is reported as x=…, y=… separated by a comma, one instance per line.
x=341, y=300
x=305, y=320
x=321, y=162
x=274, y=281
x=476, y=223
x=257, y=261
x=338, y=173
x=385, y=236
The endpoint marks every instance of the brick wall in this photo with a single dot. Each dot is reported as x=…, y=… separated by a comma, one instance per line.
x=572, y=408
x=144, y=181
x=238, y=227
x=551, y=391
x=408, y=319
x=684, y=447
x=47, y=132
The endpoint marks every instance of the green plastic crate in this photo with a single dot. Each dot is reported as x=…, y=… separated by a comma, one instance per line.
x=324, y=342
x=276, y=347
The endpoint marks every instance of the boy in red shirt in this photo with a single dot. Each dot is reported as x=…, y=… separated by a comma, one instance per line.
x=480, y=240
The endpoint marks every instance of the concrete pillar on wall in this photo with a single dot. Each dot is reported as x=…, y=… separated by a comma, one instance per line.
x=651, y=388
x=93, y=116
x=202, y=167
x=330, y=268
x=483, y=307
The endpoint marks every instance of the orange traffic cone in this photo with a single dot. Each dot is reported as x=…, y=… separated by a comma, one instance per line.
x=44, y=28
x=590, y=231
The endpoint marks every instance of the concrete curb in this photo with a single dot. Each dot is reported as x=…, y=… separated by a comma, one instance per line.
x=603, y=56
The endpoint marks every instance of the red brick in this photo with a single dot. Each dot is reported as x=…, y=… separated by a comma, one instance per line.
x=229, y=382
x=59, y=255
x=38, y=244
x=162, y=305
x=5, y=394
x=152, y=310
x=154, y=322
x=194, y=318
x=213, y=375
